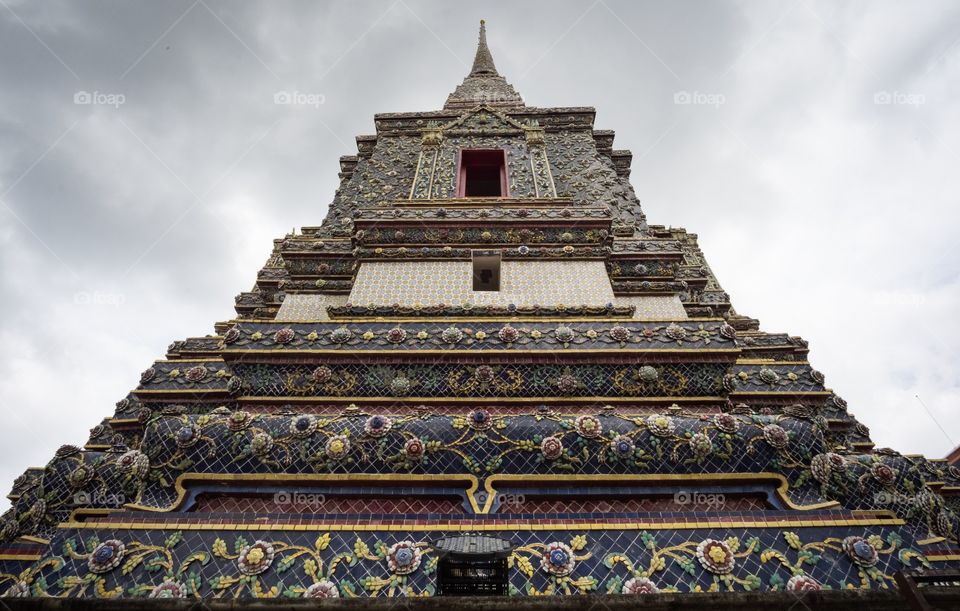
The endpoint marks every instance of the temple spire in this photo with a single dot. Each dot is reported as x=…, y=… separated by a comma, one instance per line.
x=484, y=85
x=483, y=61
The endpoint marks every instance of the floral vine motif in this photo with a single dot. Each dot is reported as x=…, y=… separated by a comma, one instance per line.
x=728, y=423
x=701, y=445
x=860, y=551
x=551, y=448
x=620, y=334
x=729, y=382
x=676, y=332
x=322, y=589
x=715, y=556
x=303, y=426
x=261, y=444
x=588, y=426
x=776, y=436
x=648, y=374
x=470, y=309
x=451, y=335
x=341, y=335
x=558, y=559
x=9, y=530
x=234, y=385
x=480, y=419
x=639, y=585
x=187, y=436
x=196, y=373
x=106, y=556
x=403, y=558
x=81, y=476
x=169, y=589
x=484, y=378
x=256, y=558
x=284, y=336
x=661, y=426
x=623, y=446
x=337, y=447
x=400, y=385
x=232, y=335
x=484, y=374
x=567, y=383
x=727, y=331
x=648, y=379
x=523, y=379
x=567, y=333
x=239, y=421
x=564, y=335
x=769, y=376
x=508, y=334
x=883, y=474
x=944, y=524
x=803, y=583
x=822, y=466
x=377, y=426
x=414, y=449
x=396, y=335
x=20, y=589
x=134, y=462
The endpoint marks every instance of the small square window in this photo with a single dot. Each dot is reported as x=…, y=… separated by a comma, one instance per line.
x=486, y=270
x=483, y=173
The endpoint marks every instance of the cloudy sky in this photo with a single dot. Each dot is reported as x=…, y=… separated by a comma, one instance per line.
x=145, y=169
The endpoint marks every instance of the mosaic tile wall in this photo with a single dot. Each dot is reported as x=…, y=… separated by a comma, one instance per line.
x=523, y=283
x=650, y=307
x=393, y=561
x=308, y=307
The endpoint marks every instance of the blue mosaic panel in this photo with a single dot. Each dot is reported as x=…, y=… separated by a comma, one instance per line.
x=286, y=563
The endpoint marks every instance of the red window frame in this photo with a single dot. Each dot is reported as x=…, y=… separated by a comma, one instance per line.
x=488, y=157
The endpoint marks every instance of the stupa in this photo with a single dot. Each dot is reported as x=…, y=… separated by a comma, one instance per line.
x=483, y=373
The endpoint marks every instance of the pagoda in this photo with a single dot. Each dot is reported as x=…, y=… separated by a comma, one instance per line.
x=483, y=373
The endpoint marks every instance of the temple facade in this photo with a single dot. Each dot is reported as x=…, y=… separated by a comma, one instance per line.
x=483, y=373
